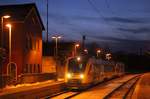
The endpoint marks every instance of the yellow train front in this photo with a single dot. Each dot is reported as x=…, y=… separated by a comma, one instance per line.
x=82, y=72
x=75, y=76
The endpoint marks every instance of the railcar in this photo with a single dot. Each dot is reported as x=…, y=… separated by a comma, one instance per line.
x=82, y=72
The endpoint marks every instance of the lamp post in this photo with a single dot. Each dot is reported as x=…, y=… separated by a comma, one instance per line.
x=98, y=52
x=75, y=49
x=9, y=26
x=56, y=51
x=1, y=46
x=2, y=22
x=56, y=40
x=86, y=51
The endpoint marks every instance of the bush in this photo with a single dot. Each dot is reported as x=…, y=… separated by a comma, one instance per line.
x=2, y=54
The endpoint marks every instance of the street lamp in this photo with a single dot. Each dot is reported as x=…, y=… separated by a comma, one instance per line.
x=1, y=44
x=9, y=26
x=98, y=52
x=108, y=56
x=56, y=40
x=56, y=50
x=2, y=22
x=75, y=49
x=86, y=51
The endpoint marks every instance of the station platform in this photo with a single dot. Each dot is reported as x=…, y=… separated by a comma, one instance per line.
x=142, y=89
x=32, y=91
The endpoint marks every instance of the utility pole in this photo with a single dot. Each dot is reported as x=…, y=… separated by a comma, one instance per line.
x=83, y=42
x=47, y=25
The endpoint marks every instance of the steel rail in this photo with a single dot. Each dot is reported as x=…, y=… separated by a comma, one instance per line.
x=123, y=84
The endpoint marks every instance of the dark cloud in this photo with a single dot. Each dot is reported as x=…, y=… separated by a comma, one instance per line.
x=118, y=40
x=117, y=44
x=87, y=18
x=126, y=20
x=74, y=17
x=136, y=31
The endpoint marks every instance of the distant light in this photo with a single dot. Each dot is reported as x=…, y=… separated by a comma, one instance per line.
x=56, y=37
x=98, y=51
x=8, y=25
x=6, y=16
x=77, y=45
x=78, y=58
x=68, y=75
x=108, y=56
x=59, y=37
x=85, y=50
x=81, y=76
x=53, y=37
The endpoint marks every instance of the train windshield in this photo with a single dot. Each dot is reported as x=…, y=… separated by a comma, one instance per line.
x=76, y=67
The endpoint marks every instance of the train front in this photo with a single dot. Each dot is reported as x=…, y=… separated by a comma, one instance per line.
x=75, y=73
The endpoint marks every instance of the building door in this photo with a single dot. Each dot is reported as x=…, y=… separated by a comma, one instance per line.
x=12, y=70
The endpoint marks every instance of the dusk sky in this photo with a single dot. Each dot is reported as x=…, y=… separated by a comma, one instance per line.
x=118, y=24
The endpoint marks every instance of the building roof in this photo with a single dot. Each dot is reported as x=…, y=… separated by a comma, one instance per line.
x=19, y=12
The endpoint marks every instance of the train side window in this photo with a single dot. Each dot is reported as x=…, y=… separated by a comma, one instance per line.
x=80, y=66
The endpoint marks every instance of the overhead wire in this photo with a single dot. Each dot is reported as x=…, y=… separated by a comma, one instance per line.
x=95, y=8
x=110, y=10
x=99, y=12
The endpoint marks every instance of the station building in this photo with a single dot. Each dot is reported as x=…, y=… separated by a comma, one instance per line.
x=26, y=40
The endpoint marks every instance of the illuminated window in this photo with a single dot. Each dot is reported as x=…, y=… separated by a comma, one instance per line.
x=34, y=68
x=25, y=69
x=38, y=68
x=38, y=44
x=30, y=42
x=30, y=68
x=27, y=41
x=34, y=44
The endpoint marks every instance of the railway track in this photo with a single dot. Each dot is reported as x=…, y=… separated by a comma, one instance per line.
x=124, y=91
x=69, y=94
x=63, y=95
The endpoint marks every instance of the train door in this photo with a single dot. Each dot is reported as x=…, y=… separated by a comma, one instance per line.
x=95, y=73
x=90, y=73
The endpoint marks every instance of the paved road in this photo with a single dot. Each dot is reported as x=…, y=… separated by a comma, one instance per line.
x=142, y=90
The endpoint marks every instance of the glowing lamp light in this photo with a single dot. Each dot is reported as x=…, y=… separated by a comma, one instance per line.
x=56, y=37
x=77, y=45
x=78, y=58
x=108, y=56
x=81, y=76
x=6, y=16
x=68, y=75
x=59, y=37
x=8, y=25
x=53, y=37
x=85, y=50
x=98, y=51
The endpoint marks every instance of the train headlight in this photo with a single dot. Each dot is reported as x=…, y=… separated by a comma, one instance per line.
x=78, y=58
x=68, y=75
x=81, y=76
